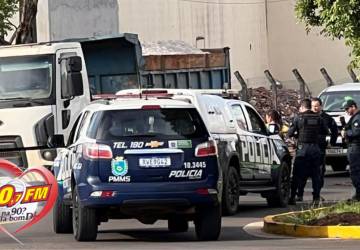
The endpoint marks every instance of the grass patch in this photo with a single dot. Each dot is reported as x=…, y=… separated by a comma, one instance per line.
x=308, y=217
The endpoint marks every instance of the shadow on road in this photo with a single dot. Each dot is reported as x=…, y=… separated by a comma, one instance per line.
x=228, y=233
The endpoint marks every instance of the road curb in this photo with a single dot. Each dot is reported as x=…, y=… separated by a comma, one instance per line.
x=342, y=232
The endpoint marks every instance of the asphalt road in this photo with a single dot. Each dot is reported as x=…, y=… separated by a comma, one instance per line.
x=130, y=234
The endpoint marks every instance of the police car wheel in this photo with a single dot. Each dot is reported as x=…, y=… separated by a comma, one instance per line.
x=178, y=225
x=84, y=221
x=62, y=218
x=231, y=192
x=280, y=197
x=208, y=223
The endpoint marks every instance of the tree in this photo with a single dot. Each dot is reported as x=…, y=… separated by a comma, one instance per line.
x=24, y=32
x=338, y=19
x=8, y=8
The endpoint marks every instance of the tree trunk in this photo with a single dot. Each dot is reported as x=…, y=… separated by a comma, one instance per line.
x=25, y=32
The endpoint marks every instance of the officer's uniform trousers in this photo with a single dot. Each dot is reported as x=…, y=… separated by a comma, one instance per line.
x=307, y=164
x=354, y=162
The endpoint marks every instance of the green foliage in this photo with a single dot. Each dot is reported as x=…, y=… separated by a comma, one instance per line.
x=305, y=217
x=337, y=19
x=7, y=10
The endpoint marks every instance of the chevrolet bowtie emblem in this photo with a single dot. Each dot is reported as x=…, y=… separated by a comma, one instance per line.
x=154, y=144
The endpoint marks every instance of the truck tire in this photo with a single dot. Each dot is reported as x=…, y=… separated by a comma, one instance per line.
x=208, y=223
x=178, y=225
x=339, y=166
x=84, y=221
x=280, y=197
x=231, y=192
x=62, y=218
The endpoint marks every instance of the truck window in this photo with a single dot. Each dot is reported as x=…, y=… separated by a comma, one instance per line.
x=26, y=77
x=239, y=116
x=257, y=124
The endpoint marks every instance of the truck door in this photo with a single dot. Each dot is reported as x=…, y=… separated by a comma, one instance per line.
x=68, y=109
x=263, y=157
x=244, y=145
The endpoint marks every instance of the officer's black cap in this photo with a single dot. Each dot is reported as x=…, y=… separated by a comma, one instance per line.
x=349, y=103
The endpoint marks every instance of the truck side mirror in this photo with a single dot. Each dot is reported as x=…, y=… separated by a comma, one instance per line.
x=274, y=129
x=74, y=82
x=56, y=141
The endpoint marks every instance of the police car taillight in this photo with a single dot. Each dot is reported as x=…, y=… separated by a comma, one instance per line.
x=97, y=151
x=206, y=149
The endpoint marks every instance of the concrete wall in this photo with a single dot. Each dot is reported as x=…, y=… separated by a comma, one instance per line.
x=239, y=26
x=262, y=34
x=290, y=47
x=77, y=18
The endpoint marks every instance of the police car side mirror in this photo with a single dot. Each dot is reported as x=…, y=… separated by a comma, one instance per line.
x=273, y=129
x=56, y=141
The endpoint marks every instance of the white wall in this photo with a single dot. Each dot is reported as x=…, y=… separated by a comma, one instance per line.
x=239, y=26
x=261, y=34
x=290, y=47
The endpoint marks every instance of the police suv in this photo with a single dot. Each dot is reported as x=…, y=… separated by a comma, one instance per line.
x=252, y=159
x=145, y=158
x=333, y=99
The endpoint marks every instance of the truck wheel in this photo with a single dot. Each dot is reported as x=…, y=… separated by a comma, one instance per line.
x=178, y=225
x=280, y=197
x=84, y=221
x=339, y=166
x=208, y=223
x=62, y=218
x=231, y=192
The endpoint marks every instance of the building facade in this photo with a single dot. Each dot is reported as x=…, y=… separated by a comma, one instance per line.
x=262, y=34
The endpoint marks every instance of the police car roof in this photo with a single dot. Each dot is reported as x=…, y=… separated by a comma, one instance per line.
x=136, y=103
x=195, y=93
x=343, y=87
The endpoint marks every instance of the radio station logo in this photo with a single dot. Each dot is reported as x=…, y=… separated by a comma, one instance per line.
x=25, y=196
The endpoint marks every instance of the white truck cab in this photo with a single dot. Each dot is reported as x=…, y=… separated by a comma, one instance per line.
x=333, y=99
x=43, y=88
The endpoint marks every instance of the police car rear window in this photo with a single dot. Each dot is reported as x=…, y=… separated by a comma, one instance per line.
x=169, y=123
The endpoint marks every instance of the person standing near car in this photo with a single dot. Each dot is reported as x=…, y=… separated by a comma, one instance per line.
x=352, y=134
x=274, y=117
x=316, y=107
x=307, y=128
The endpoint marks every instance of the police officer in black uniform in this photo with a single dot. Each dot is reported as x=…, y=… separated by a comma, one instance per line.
x=352, y=134
x=307, y=127
x=332, y=130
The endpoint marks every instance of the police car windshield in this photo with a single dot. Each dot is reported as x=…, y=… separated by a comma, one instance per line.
x=169, y=123
x=334, y=101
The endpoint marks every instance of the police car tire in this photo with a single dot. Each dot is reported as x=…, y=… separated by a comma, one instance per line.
x=62, y=218
x=178, y=225
x=86, y=227
x=230, y=202
x=208, y=223
x=278, y=198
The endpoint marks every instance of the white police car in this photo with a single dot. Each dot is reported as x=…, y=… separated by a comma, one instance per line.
x=145, y=158
x=252, y=159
